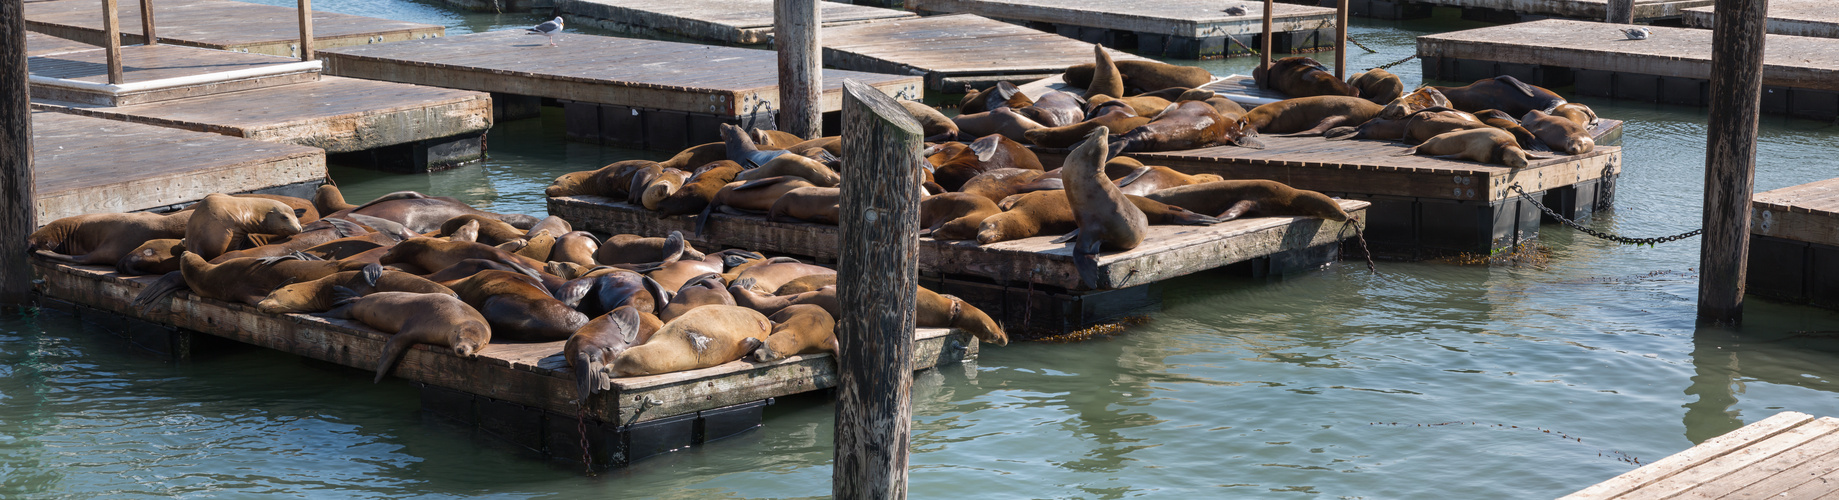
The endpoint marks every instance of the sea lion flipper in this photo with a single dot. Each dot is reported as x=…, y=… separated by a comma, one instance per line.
x=513, y=246
x=572, y=291
x=1066, y=237
x=986, y=147
x=392, y=351
x=744, y=283
x=760, y=182
x=1516, y=83
x=750, y=344
x=1133, y=176
x=371, y=273
x=1408, y=152
x=1238, y=209
x=164, y=287
x=659, y=296
x=1088, y=269
x=697, y=281
x=344, y=228
x=1249, y=141
x=674, y=247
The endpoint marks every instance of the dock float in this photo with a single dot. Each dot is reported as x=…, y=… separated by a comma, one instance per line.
x=40, y=44
x=1181, y=29
x=1794, y=244
x=1513, y=11
x=87, y=165
x=1030, y=281
x=1244, y=90
x=1788, y=455
x=746, y=22
x=221, y=24
x=1815, y=18
x=620, y=91
x=955, y=51
x=153, y=73
x=1800, y=76
x=521, y=393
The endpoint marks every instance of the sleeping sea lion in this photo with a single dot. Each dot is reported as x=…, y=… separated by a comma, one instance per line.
x=1055, y=109
x=318, y=295
x=1150, y=179
x=954, y=216
x=1142, y=75
x=577, y=247
x=491, y=231
x=247, y=280
x=1002, y=95
x=1498, y=119
x=635, y=249
x=810, y=204
x=1000, y=183
x=699, y=189
x=1120, y=119
x=1005, y=121
x=618, y=288
x=104, y=238
x=933, y=124
x=705, y=290
x=1438, y=121
x=1578, y=113
x=1302, y=77
x=767, y=277
x=1143, y=105
x=704, y=337
x=439, y=320
x=435, y=254
x=959, y=165
x=798, y=329
x=1236, y=198
x=1422, y=98
x=1485, y=145
x=1310, y=115
x=1504, y=93
x=517, y=306
x=806, y=168
x=806, y=283
x=590, y=351
x=159, y=256
x=1049, y=212
x=1378, y=85
x=1559, y=133
x=657, y=185
x=1186, y=125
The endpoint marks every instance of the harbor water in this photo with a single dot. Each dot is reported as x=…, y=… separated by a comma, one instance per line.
x=1528, y=378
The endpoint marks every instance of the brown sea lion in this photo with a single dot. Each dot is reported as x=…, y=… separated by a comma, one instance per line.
x=425, y=215
x=1485, y=145
x=1106, y=80
x=704, y=337
x=829, y=144
x=824, y=297
x=1236, y=198
x=675, y=275
x=635, y=249
x=346, y=247
x=318, y=295
x=491, y=231
x=304, y=210
x=809, y=204
x=613, y=180
x=706, y=290
x=1002, y=95
x=1142, y=75
x=320, y=232
x=767, y=277
x=954, y=216
x=1049, y=212
x=1150, y=179
x=933, y=124
x=1559, y=133
x=1145, y=106
x=1107, y=221
x=435, y=254
x=1005, y=121
x=517, y=306
x=775, y=139
x=1406, y=105
x=577, y=247
x=658, y=186
x=1120, y=119
x=696, y=156
x=1501, y=120
x=742, y=149
x=798, y=329
x=755, y=196
x=806, y=283
x=1504, y=93
x=1000, y=183
x=327, y=199
x=220, y=219
x=103, y=238
x=1055, y=109
x=1225, y=106
x=1311, y=115
x=1378, y=85
x=1578, y=113
x=439, y=320
x=554, y=224
x=1377, y=129
x=537, y=247
x=1186, y=125
x=1302, y=77
x=159, y=256
x=699, y=189
x=617, y=288
x=935, y=310
x=794, y=165
x=985, y=154
x=245, y=280
x=591, y=350
x=1438, y=121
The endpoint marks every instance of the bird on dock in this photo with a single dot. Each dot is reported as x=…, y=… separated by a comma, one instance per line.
x=1236, y=10
x=548, y=29
x=1637, y=33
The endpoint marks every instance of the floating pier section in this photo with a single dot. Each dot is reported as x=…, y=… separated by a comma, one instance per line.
x=1511, y=11
x=521, y=393
x=1789, y=455
x=1181, y=29
x=1816, y=18
x=746, y=22
x=620, y=91
x=159, y=73
x=221, y=24
x=955, y=51
x=1800, y=74
x=1794, y=244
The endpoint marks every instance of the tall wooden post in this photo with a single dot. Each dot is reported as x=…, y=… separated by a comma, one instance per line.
x=1341, y=40
x=801, y=66
x=111, y=35
x=146, y=23
x=1737, y=41
x=18, y=210
x=306, y=30
x=1621, y=12
x=1264, y=47
x=877, y=287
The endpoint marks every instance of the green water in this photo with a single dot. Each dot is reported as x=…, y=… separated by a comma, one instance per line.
x=1433, y=381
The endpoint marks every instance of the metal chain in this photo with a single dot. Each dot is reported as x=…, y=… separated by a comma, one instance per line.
x=1350, y=39
x=1354, y=223
x=1394, y=63
x=1248, y=48
x=1618, y=239
x=587, y=459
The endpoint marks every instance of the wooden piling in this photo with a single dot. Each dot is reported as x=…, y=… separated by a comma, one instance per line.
x=1264, y=46
x=18, y=216
x=111, y=34
x=146, y=23
x=795, y=35
x=306, y=30
x=877, y=281
x=1730, y=157
x=1341, y=40
x=1620, y=12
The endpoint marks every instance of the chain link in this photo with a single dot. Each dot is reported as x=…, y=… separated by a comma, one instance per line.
x=1354, y=223
x=1394, y=63
x=1350, y=39
x=587, y=459
x=1599, y=234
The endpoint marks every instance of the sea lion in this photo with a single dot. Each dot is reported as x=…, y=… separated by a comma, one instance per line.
x=635, y=249
x=935, y=310
x=798, y=329
x=103, y=238
x=954, y=216
x=318, y=295
x=741, y=148
x=773, y=139
x=1310, y=115
x=806, y=283
x=617, y=288
x=810, y=204
x=1000, y=183
x=933, y=124
x=983, y=155
x=1578, y=113
x=1145, y=106
x=696, y=156
x=1107, y=221
x=1142, y=75
x=491, y=231
x=833, y=145
x=577, y=247
x=1485, y=145
x=1002, y=95
x=824, y=297
x=1501, y=120
x=304, y=210
x=1186, y=125
x=1302, y=77
x=246, y=280
x=439, y=320
x=591, y=349
x=746, y=198
x=1504, y=93
x=425, y=215
x=327, y=199
x=349, y=246
x=1174, y=94
x=767, y=277
x=1236, y=198
x=1005, y=121
x=1378, y=85
x=159, y=256
x=517, y=306
x=1055, y=109
x=554, y=224
x=536, y=247
x=705, y=290
x=1438, y=121
x=1120, y=119
x=795, y=165
x=1561, y=134
x=1150, y=179
x=1377, y=128
x=220, y=219
x=658, y=186
x=704, y=337
x=435, y=254
x=1106, y=80
x=675, y=275
x=1225, y=106
x=699, y=189
x=1406, y=105
x=1049, y=212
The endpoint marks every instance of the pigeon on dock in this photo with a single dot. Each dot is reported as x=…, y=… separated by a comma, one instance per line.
x=1637, y=33
x=549, y=29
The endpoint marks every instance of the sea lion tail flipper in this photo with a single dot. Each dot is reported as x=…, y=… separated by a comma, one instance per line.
x=1539, y=145
x=344, y=228
x=659, y=296
x=1238, y=210
x=731, y=260
x=342, y=295
x=392, y=351
x=1066, y=237
x=1088, y=268
x=1341, y=133
x=159, y=290
x=371, y=273
x=1408, y=152
x=513, y=246
x=382, y=225
x=744, y=283
x=572, y=291
x=1249, y=141
x=697, y=281
x=674, y=245
x=1539, y=156
x=1133, y=176
x=750, y=344
x=986, y=147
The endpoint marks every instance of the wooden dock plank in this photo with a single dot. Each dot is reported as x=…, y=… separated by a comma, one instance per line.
x=1747, y=458
x=90, y=165
x=335, y=114
x=222, y=24
x=1181, y=18
x=723, y=81
x=727, y=21
x=1644, y=10
x=1806, y=213
x=1816, y=18
x=528, y=374
x=1790, y=61
x=40, y=44
x=954, y=49
x=1711, y=449
x=143, y=62
x=1167, y=251
x=1777, y=473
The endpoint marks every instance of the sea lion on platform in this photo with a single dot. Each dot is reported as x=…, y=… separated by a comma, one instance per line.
x=349, y=246
x=1120, y=119
x=798, y=329
x=554, y=224
x=794, y=165
x=810, y=204
x=1559, y=133
x=773, y=139
x=1187, y=125
x=933, y=124
x=1302, y=77
x=1377, y=129
x=1378, y=85
x=635, y=249
x=741, y=148
x=696, y=156
x=1311, y=115
x=304, y=210
x=320, y=232
x=318, y=295
x=1002, y=95
x=1107, y=221
x=327, y=199
x=1145, y=106
x=535, y=247
x=1049, y=212
x=1504, y=93
x=1055, y=109
x=1501, y=120
x=675, y=275
x=577, y=247
x=1000, y=183
x=1406, y=105
x=1142, y=75
x=518, y=307
x=1005, y=121
x=620, y=288
x=699, y=189
x=954, y=216
x=221, y=219
x=985, y=154
x=439, y=320
x=1236, y=198
x=590, y=351
x=1578, y=113
x=658, y=187
x=1485, y=145
x=767, y=277
x=103, y=238
x=491, y=231
x=1106, y=80
x=245, y=280
x=435, y=254
x=1150, y=179
x=824, y=297
x=806, y=283
x=935, y=310
x=746, y=198
x=704, y=337
x=705, y=290
x=425, y=215
x=159, y=256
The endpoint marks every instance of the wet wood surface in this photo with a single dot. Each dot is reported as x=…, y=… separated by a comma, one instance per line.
x=1788, y=455
x=1816, y=18
x=1808, y=212
x=1181, y=18
x=954, y=50
x=1788, y=61
x=729, y=21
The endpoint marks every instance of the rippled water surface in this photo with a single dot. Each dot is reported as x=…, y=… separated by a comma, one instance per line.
x=1526, y=380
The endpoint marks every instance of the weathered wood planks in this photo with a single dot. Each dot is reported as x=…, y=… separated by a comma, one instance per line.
x=1794, y=244
x=90, y=165
x=953, y=51
x=1815, y=18
x=222, y=24
x=160, y=73
x=40, y=44
x=1189, y=29
x=726, y=21
x=1593, y=10
x=1789, y=455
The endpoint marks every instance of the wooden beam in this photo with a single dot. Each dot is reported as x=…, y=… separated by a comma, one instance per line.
x=1341, y=40
x=1264, y=48
x=111, y=39
x=306, y=30
x=18, y=212
x=877, y=288
x=146, y=23
x=801, y=67
x=1620, y=12
x=1737, y=42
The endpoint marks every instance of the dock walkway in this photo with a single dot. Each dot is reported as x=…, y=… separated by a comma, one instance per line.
x=153, y=73
x=90, y=165
x=747, y=22
x=523, y=393
x=1816, y=18
x=1800, y=74
x=1789, y=455
x=221, y=24
x=620, y=91
x=955, y=51
x=1794, y=244
x=1182, y=29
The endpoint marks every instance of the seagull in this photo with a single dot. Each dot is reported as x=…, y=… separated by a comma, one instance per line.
x=1236, y=10
x=1637, y=33
x=549, y=29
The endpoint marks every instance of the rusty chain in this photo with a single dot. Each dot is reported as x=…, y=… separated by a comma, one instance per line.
x=1599, y=234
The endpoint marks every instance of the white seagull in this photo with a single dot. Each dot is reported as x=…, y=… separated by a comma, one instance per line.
x=549, y=29
x=1637, y=33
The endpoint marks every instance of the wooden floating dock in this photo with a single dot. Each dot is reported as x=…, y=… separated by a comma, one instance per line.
x=221, y=24
x=620, y=91
x=40, y=44
x=955, y=51
x=1789, y=455
x=1816, y=18
x=1000, y=277
x=1182, y=29
x=747, y=22
x=1244, y=90
x=153, y=73
x=522, y=393
x=1513, y=11
x=1800, y=74
x=90, y=165
x=1794, y=244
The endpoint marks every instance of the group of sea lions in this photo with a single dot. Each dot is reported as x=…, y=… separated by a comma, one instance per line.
x=433, y=270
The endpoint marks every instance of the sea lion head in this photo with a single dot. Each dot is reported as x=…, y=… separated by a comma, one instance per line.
x=569, y=184
x=467, y=338
x=974, y=321
x=153, y=257
x=290, y=298
x=1405, y=105
x=278, y=219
